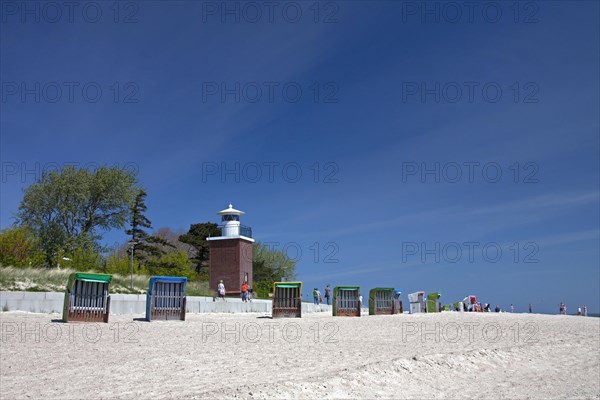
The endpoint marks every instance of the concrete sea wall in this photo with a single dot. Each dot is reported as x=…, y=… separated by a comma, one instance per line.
x=123, y=304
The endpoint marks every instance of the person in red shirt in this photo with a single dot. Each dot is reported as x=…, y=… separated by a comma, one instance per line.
x=244, y=291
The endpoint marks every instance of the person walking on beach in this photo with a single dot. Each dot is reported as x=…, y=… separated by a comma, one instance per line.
x=530, y=311
x=561, y=308
x=584, y=310
x=221, y=290
x=328, y=294
x=512, y=308
x=579, y=311
x=316, y=295
x=244, y=291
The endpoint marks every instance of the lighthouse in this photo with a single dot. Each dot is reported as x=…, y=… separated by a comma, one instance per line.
x=231, y=253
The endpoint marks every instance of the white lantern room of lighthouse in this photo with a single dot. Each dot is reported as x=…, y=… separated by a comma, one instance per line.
x=230, y=222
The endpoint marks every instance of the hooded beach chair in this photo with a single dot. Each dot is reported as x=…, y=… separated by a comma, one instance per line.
x=166, y=298
x=287, y=300
x=433, y=302
x=381, y=301
x=346, y=302
x=86, y=298
x=417, y=302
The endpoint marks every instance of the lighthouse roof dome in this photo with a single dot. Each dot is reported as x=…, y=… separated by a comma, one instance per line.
x=230, y=211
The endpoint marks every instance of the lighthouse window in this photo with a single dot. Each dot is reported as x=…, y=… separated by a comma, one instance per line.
x=230, y=218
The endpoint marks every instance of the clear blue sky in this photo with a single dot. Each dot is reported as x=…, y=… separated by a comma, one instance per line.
x=512, y=86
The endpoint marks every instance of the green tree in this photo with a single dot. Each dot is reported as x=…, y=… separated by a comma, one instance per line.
x=175, y=263
x=196, y=237
x=19, y=248
x=270, y=265
x=145, y=245
x=84, y=254
x=76, y=202
x=118, y=263
x=138, y=220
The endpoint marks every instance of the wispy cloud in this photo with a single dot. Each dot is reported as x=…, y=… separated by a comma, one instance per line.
x=545, y=201
x=536, y=208
x=342, y=273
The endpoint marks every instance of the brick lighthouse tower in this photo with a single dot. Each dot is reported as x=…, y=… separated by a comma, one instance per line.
x=231, y=253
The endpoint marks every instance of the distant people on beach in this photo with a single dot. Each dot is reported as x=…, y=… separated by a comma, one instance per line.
x=250, y=294
x=244, y=290
x=578, y=310
x=562, y=308
x=530, y=309
x=487, y=307
x=584, y=310
x=316, y=295
x=221, y=290
x=360, y=300
x=497, y=309
x=328, y=294
x=512, y=308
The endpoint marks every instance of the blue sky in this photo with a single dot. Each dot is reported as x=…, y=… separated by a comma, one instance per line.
x=189, y=90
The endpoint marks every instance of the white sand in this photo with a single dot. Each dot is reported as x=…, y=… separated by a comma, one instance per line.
x=537, y=356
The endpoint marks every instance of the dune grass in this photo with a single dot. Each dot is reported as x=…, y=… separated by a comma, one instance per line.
x=55, y=280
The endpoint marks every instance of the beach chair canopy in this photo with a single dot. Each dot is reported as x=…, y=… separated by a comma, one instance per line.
x=165, y=279
x=415, y=297
x=286, y=285
x=87, y=277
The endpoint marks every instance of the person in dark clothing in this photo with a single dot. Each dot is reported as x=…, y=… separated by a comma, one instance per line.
x=328, y=294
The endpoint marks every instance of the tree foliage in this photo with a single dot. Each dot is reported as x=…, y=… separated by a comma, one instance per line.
x=62, y=217
x=270, y=265
x=175, y=263
x=119, y=263
x=76, y=203
x=138, y=220
x=19, y=248
x=145, y=245
x=196, y=237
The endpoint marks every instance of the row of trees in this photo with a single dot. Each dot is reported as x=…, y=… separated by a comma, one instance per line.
x=62, y=217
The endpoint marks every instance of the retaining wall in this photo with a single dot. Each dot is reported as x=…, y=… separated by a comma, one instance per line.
x=123, y=304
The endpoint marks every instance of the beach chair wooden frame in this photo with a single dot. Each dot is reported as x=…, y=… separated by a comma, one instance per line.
x=433, y=302
x=381, y=301
x=87, y=298
x=417, y=302
x=287, y=300
x=166, y=299
x=346, y=301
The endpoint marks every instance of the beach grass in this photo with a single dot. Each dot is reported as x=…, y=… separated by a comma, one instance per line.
x=55, y=280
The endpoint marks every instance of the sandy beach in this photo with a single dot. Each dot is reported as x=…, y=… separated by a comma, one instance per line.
x=448, y=355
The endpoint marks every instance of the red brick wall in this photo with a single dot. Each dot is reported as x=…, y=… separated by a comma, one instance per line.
x=230, y=260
